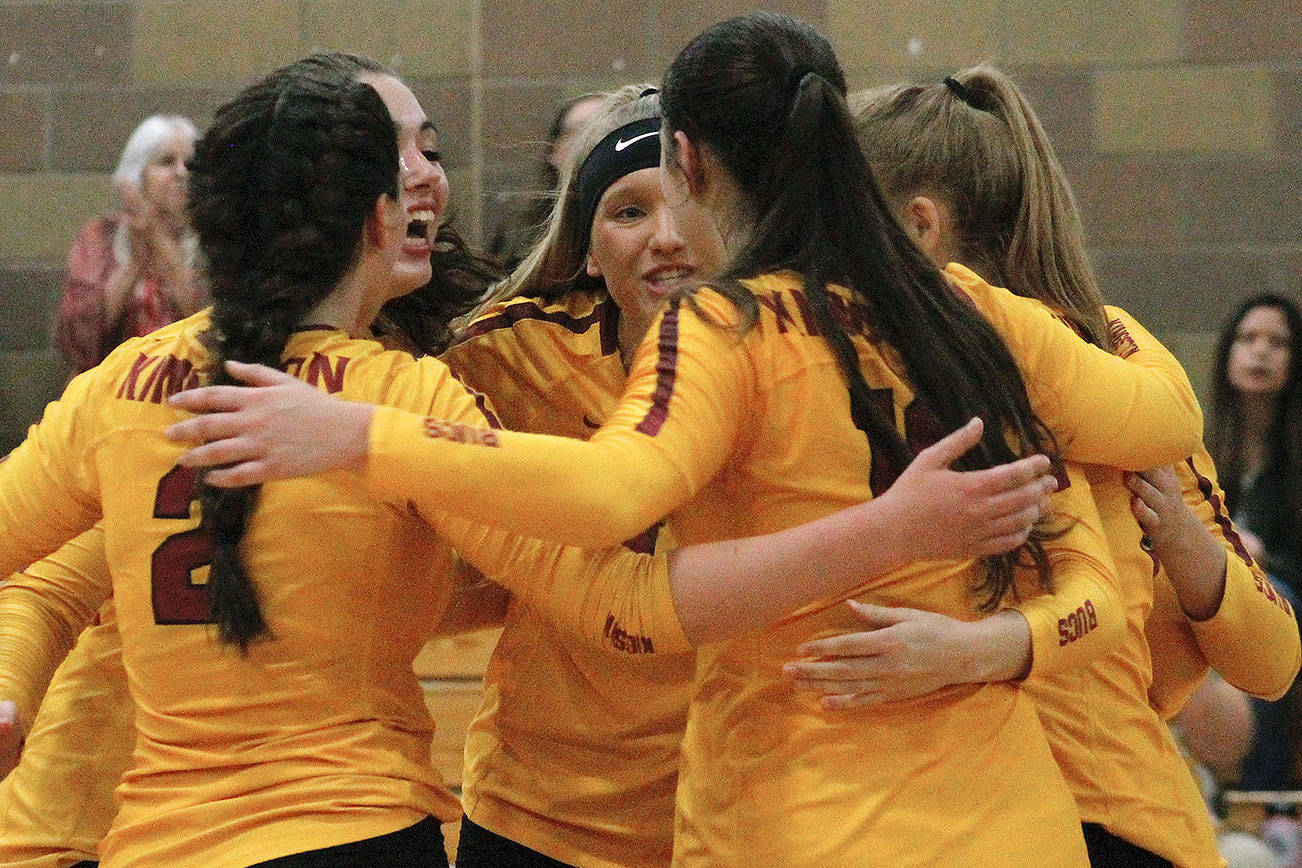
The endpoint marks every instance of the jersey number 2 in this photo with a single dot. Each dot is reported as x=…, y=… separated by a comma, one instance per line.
x=176, y=597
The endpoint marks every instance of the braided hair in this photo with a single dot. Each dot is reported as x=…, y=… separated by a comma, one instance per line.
x=281, y=186
x=766, y=94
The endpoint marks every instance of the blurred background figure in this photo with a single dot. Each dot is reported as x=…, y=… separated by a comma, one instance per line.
x=131, y=271
x=1215, y=727
x=1255, y=435
x=523, y=227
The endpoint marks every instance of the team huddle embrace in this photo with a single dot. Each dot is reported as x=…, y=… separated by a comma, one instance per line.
x=812, y=544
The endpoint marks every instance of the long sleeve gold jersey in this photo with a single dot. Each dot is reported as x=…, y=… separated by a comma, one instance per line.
x=319, y=735
x=573, y=753
x=56, y=805
x=1252, y=640
x=1116, y=754
x=733, y=435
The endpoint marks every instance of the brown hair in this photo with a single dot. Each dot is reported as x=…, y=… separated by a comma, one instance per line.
x=975, y=142
x=766, y=94
x=1226, y=437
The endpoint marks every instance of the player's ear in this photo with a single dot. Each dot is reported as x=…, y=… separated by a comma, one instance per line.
x=925, y=220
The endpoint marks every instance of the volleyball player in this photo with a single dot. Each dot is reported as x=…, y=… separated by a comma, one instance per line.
x=387, y=263
x=759, y=166
x=972, y=177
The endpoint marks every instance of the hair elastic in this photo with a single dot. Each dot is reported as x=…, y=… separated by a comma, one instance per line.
x=796, y=77
x=634, y=146
x=959, y=90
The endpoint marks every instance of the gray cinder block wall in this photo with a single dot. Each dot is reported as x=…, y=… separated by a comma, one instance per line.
x=1179, y=121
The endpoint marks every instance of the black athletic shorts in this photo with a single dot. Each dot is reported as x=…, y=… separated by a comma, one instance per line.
x=1108, y=851
x=418, y=846
x=480, y=848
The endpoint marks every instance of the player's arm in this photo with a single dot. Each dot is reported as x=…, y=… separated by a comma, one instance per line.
x=49, y=486
x=1092, y=400
x=626, y=602
x=1179, y=665
x=42, y=611
x=688, y=395
x=1243, y=627
x=908, y=652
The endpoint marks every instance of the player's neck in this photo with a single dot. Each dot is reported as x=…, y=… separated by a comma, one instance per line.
x=343, y=308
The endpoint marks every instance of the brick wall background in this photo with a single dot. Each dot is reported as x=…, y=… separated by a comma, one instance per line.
x=1179, y=120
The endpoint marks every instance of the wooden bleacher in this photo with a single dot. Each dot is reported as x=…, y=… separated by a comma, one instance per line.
x=1246, y=809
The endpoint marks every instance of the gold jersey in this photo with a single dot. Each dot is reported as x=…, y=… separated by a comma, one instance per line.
x=741, y=435
x=56, y=805
x=573, y=753
x=319, y=736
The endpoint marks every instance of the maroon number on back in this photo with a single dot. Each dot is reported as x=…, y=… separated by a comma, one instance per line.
x=177, y=599
x=921, y=429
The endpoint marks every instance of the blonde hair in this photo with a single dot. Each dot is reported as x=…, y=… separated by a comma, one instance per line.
x=975, y=142
x=555, y=265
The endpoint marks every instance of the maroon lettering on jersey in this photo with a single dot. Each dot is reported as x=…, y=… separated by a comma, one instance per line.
x=128, y=388
x=1060, y=474
x=847, y=315
x=318, y=370
x=1123, y=344
x=773, y=301
x=176, y=491
x=621, y=640
x=169, y=376
x=321, y=372
x=176, y=597
x=667, y=372
x=1078, y=624
x=1208, y=491
x=806, y=313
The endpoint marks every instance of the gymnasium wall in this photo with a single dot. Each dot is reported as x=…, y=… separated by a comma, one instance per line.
x=1179, y=121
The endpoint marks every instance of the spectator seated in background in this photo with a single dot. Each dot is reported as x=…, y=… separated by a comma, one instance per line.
x=1255, y=434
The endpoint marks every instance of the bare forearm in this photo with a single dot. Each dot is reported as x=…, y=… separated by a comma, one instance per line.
x=998, y=648
x=1195, y=563
x=726, y=589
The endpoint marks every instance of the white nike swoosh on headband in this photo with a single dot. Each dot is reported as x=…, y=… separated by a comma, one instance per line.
x=621, y=144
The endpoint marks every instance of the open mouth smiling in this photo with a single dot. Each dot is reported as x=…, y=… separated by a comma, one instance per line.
x=422, y=220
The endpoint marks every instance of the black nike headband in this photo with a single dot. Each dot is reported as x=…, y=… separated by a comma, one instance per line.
x=634, y=146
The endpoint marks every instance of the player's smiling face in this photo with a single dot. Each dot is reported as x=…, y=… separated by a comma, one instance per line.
x=422, y=183
x=635, y=246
